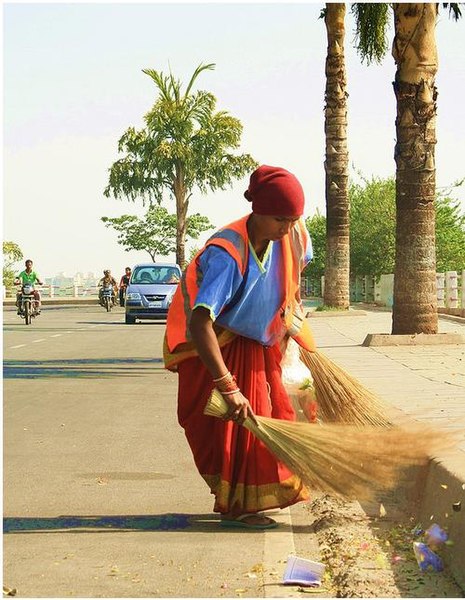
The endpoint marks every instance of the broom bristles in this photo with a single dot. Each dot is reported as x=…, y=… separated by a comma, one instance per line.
x=344, y=460
x=340, y=397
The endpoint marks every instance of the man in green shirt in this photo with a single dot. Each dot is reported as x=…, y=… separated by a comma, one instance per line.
x=28, y=276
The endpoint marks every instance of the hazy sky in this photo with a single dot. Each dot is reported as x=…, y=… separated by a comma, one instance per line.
x=73, y=83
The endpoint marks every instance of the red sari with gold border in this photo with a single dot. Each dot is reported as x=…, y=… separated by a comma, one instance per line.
x=240, y=471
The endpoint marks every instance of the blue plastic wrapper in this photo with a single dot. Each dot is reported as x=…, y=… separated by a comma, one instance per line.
x=435, y=535
x=426, y=558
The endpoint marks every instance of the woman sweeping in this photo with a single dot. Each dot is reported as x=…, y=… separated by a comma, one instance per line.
x=237, y=304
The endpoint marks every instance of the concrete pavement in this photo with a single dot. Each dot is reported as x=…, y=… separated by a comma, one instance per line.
x=426, y=383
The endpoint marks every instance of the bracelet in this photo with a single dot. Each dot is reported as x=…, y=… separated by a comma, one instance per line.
x=231, y=393
x=224, y=377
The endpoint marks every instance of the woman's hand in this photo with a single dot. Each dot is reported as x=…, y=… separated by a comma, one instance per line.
x=238, y=408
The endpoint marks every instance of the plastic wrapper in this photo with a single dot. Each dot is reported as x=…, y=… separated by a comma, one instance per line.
x=426, y=558
x=298, y=382
x=435, y=536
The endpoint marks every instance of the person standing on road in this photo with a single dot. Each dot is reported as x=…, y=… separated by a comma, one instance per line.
x=123, y=284
x=227, y=327
x=28, y=276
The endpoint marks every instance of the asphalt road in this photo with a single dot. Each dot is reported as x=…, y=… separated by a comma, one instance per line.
x=101, y=497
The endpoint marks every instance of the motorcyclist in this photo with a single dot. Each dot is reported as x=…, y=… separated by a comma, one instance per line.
x=28, y=276
x=123, y=284
x=107, y=280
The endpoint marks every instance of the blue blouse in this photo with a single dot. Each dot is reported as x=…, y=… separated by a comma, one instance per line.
x=254, y=312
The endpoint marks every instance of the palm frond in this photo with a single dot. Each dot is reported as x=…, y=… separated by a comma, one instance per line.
x=371, y=21
x=161, y=81
x=196, y=73
x=454, y=9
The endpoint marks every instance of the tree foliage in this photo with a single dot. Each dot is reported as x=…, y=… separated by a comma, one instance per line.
x=12, y=253
x=186, y=144
x=316, y=227
x=450, y=235
x=372, y=230
x=156, y=232
x=372, y=226
x=371, y=21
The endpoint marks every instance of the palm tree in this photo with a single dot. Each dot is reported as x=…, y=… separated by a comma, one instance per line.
x=415, y=54
x=336, y=290
x=185, y=145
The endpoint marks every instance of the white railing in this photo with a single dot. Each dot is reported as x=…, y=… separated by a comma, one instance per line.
x=450, y=290
x=56, y=291
x=73, y=291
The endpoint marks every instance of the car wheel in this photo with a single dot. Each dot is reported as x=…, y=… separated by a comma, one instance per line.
x=130, y=320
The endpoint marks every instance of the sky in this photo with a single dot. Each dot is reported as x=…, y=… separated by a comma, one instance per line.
x=73, y=83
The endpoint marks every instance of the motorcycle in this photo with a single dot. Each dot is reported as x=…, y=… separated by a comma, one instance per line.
x=28, y=305
x=108, y=297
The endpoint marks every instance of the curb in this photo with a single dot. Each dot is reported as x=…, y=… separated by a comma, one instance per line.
x=352, y=312
x=416, y=339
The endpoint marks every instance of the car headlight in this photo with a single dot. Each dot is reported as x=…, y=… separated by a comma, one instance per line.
x=169, y=300
x=133, y=296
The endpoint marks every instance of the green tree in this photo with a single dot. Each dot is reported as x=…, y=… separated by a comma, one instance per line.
x=316, y=226
x=12, y=253
x=156, y=232
x=372, y=226
x=186, y=144
x=373, y=230
x=450, y=235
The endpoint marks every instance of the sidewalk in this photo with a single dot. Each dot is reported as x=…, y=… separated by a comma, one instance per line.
x=427, y=383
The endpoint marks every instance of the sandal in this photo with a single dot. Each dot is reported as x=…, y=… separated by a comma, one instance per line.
x=267, y=522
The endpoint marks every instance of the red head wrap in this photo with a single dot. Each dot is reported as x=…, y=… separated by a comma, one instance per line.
x=275, y=191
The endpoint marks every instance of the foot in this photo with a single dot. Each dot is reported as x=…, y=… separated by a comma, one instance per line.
x=248, y=520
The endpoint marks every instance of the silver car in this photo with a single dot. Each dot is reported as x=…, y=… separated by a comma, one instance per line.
x=151, y=290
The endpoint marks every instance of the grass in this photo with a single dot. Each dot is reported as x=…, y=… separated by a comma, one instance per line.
x=324, y=307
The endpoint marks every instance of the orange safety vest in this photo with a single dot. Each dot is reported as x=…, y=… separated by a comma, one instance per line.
x=234, y=239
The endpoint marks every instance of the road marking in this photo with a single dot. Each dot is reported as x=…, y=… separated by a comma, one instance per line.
x=56, y=335
x=19, y=346
x=278, y=544
x=35, y=341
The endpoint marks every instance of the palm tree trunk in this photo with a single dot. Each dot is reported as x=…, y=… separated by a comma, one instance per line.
x=182, y=204
x=415, y=54
x=336, y=292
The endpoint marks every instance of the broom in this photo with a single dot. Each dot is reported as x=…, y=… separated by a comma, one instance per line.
x=340, y=397
x=344, y=460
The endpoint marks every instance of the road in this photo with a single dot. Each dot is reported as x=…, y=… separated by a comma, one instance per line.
x=102, y=499
x=101, y=496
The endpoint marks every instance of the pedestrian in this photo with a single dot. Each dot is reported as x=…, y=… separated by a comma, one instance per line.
x=123, y=284
x=227, y=327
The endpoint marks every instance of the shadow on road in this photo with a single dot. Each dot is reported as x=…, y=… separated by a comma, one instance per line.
x=80, y=367
x=208, y=523
x=167, y=522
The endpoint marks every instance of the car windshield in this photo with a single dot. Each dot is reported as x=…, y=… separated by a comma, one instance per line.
x=155, y=274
